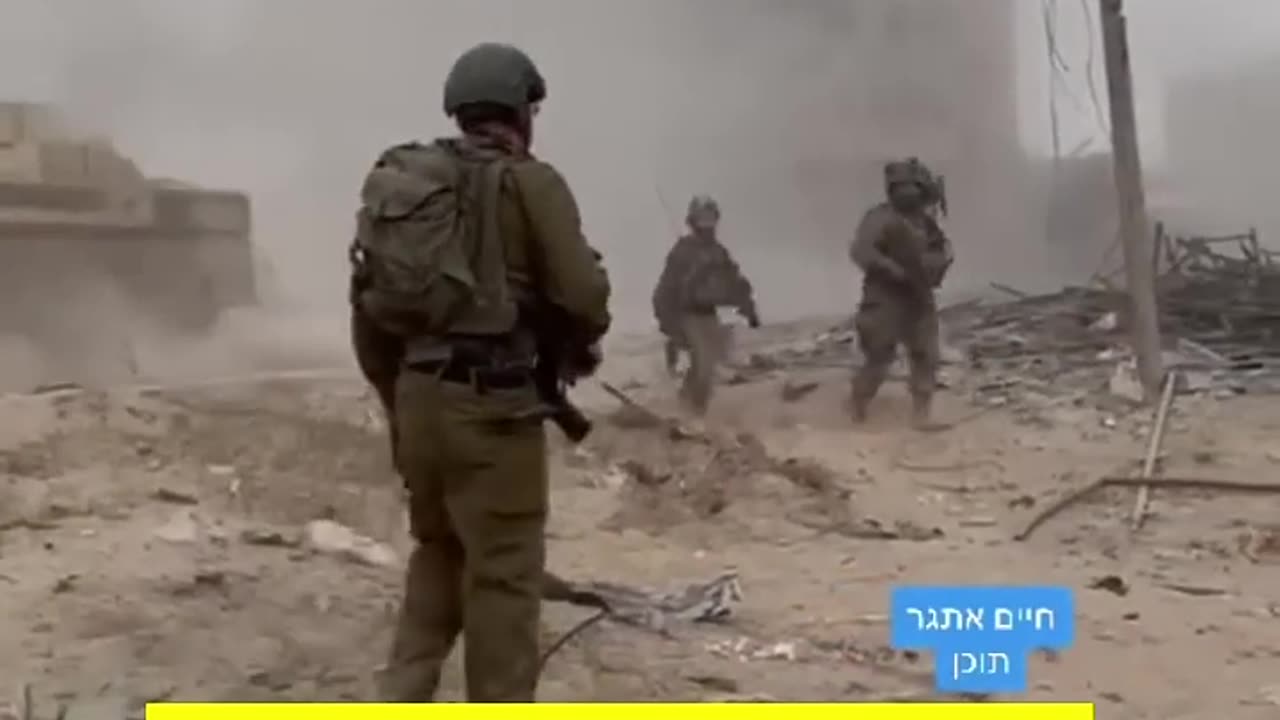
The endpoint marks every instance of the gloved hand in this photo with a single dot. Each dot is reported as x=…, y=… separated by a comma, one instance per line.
x=936, y=269
x=595, y=356
x=585, y=362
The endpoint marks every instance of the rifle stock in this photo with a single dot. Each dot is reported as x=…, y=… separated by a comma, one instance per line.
x=556, y=371
x=575, y=425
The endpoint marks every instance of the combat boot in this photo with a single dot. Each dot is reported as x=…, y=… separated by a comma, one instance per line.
x=922, y=411
x=859, y=404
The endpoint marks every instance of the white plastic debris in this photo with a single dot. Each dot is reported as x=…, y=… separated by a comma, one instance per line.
x=1106, y=323
x=183, y=528
x=331, y=538
x=776, y=651
x=1124, y=382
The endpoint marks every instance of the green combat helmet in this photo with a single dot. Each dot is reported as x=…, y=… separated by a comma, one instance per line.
x=912, y=170
x=906, y=171
x=702, y=206
x=493, y=73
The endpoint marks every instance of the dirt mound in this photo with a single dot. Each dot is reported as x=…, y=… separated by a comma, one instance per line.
x=258, y=521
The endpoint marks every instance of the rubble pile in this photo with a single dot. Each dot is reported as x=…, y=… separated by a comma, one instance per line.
x=1218, y=316
x=1219, y=313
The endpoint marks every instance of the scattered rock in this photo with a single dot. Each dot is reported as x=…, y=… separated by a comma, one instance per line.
x=183, y=528
x=174, y=497
x=1124, y=382
x=638, y=472
x=331, y=538
x=1204, y=457
x=1261, y=544
x=1113, y=584
x=100, y=708
x=777, y=651
x=65, y=584
x=714, y=682
x=1270, y=695
x=794, y=392
x=268, y=538
x=200, y=583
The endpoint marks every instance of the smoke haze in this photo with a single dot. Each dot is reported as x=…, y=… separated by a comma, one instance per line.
x=755, y=102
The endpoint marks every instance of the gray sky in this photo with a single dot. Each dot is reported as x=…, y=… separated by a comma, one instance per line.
x=1168, y=38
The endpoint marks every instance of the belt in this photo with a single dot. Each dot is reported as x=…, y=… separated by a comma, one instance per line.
x=482, y=378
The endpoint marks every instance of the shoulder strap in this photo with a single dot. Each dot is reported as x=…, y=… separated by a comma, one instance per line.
x=490, y=254
x=534, y=255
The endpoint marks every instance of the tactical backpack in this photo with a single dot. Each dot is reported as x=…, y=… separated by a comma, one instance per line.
x=427, y=258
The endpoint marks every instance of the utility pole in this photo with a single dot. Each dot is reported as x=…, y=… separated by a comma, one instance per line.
x=1135, y=235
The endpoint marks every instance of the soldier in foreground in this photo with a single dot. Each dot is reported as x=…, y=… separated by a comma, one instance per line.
x=452, y=322
x=700, y=276
x=904, y=256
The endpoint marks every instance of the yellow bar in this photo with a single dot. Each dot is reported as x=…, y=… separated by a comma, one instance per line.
x=623, y=711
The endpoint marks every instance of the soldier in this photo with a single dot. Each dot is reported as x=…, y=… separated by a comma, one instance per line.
x=904, y=256
x=457, y=375
x=668, y=315
x=699, y=276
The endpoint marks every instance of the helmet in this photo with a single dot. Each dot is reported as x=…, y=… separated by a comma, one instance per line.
x=493, y=73
x=702, y=205
x=910, y=170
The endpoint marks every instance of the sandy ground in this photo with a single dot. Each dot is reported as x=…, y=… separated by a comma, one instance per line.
x=153, y=544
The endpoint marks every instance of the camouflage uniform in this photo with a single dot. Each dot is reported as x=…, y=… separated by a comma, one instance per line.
x=904, y=256
x=699, y=276
x=469, y=443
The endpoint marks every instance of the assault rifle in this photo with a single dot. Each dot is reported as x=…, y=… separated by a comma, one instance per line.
x=552, y=376
x=561, y=362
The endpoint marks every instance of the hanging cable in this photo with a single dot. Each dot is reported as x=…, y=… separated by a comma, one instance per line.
x=1051, y=45
x=1099, y=114
x=1057, y=63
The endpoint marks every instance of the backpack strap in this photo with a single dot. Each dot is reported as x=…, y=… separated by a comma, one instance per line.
x=494, y=312
x=490, y=252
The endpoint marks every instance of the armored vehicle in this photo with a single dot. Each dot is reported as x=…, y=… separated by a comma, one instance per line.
x=86, y=238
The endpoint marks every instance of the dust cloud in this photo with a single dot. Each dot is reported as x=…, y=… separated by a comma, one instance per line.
x=649, y=104
x=782, y=111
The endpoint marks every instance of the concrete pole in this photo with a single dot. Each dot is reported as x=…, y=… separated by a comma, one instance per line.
x=1136, y=239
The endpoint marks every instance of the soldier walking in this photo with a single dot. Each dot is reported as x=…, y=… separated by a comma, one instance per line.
x=699, y=276
x=904, y=256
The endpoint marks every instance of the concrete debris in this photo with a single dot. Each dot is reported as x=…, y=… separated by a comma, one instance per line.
x=744, y=649
x=1269, y=695
x=1124, y=382
x=776, y=651
x=181, y=529
x=613, y=478
x=266, y=537
x=1218, y=317
x=330, y=538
